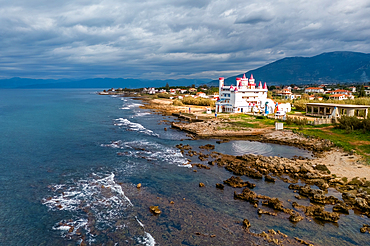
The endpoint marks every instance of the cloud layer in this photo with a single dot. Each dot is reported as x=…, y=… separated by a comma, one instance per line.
x=165, y=39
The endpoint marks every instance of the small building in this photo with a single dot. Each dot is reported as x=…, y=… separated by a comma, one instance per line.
x=341, y=97
x=192, y=90
x=201, y=94
x=335, y=110
x=151, y=91
x=339, y=91
x=314, y=90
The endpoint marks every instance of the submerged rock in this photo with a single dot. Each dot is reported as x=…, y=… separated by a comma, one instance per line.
x=295, y=217
x=207, y=146
x=247, y=195
x=246, y=223
x=268, y=178
x=237, y=182
x=155, y=210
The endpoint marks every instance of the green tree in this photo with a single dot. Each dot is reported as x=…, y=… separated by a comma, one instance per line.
x=362, y=92
x=167, y=86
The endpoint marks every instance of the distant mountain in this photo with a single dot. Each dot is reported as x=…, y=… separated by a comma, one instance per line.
x=94, y=83
x=332, y=67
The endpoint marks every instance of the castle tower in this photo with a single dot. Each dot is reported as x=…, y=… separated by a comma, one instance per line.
x=260, y=85
x=265, y=86
x=239, y=82
x=220, y=85
x=251, y=83
x=244, y=81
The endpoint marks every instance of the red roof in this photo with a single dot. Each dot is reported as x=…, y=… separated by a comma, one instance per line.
x=314, y=88
x=339, y=90
x=265, y=86
x=337, y=95
x=244, y=77
x=251, y=76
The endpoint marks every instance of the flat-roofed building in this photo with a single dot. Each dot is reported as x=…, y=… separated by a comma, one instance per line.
x=327, y=109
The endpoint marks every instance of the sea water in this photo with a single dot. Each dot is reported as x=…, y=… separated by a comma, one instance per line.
x=70, y=161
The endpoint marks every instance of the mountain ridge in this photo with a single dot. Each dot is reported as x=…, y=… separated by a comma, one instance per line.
x=328, y=67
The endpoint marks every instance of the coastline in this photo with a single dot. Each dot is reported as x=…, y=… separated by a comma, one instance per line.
x=285, y=171
x=338, y=162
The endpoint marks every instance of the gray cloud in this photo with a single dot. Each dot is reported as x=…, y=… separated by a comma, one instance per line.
x=171, y=39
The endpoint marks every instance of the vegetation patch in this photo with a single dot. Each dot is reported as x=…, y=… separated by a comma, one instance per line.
x=198, y=101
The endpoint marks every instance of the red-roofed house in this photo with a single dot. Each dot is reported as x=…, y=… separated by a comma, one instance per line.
x=201, y=94
x=338, y=97
x=339, y=91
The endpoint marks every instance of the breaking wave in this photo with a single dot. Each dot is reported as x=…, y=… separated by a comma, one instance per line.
x=96, y=204
x=131, y=126
x=150, y=151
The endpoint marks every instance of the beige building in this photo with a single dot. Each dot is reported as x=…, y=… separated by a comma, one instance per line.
x=336, y=110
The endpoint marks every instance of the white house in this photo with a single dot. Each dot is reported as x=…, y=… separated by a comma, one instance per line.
x=151, y=91
x=338, y=97
x=339, y=91
x=244, y=96
x=314, y=90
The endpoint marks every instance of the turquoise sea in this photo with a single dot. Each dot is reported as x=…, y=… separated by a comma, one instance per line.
x=70, y=161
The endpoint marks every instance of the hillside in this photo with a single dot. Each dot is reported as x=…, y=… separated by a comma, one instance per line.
x=332, y=67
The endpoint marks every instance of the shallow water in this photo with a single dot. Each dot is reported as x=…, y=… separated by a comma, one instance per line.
x=70, y=161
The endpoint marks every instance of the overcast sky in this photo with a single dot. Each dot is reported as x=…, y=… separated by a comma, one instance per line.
x=171, y=39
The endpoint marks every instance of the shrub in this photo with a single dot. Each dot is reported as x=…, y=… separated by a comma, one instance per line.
x=297, y=121
x=177, y=103
x=163, y=95
x=198, y=101
x=350, y=123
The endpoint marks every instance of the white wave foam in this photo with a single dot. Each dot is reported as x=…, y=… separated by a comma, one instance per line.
x=125, y=108
x=114, y=145
x=154, y=151
x=99, y=197
x=141, y=114
x=147, y=240
x=134, y=126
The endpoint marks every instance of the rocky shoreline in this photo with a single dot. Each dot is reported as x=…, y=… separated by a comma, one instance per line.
x=354, y=193
x=331, y=169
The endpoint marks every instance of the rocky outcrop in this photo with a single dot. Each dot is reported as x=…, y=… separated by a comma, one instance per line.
x=315, y=195
x=246, y=223
x=247, y=195
x=317, y=212
x=200, y=166
x=207, y=147
x=237, y=182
